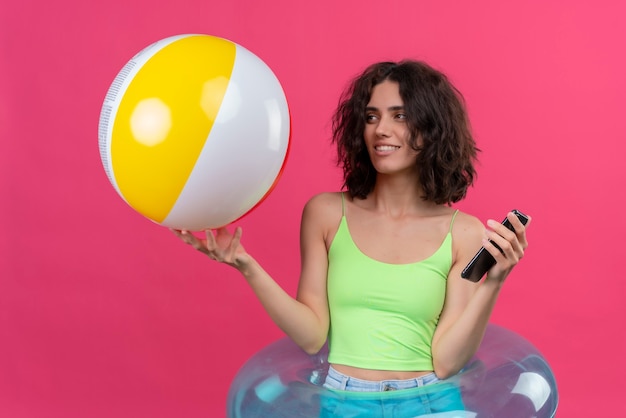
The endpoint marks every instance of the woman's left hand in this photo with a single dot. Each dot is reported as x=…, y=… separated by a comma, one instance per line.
x=513, y=245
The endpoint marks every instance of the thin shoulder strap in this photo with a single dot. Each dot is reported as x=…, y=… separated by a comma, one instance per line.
x=452, y=221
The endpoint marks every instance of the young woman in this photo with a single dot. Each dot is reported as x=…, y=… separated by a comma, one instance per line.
x=381, y=262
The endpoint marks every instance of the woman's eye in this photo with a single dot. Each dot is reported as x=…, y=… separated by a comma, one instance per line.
x=370, y=118
x=401, y=116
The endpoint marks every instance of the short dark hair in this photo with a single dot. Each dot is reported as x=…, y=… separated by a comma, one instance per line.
x=435, y=112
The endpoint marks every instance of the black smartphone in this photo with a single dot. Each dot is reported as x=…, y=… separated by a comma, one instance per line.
x=483, y=261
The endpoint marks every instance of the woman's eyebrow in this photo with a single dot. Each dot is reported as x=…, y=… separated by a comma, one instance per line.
x=391, y=108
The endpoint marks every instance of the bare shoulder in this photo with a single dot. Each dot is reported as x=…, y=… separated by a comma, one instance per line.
x=323, y=210
x=327, y=204
x=466, y=223
x=467, y=232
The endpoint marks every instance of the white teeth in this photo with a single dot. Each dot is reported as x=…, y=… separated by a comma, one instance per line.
x=386, y=148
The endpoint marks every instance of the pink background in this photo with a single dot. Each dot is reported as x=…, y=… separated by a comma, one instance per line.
x=105, y=314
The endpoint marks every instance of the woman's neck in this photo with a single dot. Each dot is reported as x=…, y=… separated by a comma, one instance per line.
x=398, y=197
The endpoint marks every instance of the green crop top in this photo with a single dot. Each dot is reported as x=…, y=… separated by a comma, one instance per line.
x=383, y=316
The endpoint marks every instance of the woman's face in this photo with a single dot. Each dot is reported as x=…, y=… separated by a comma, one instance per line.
x=387, y=132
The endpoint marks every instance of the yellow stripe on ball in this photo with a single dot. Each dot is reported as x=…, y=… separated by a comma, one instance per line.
x=165, y=118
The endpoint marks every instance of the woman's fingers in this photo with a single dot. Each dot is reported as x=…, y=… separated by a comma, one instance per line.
x=520, y=229
x=234, y=244
x=506, y=246
x=218, y=245
x=184, y=235
x=221, y=245
x=211, y=243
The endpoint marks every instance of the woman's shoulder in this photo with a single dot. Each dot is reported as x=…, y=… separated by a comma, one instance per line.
x=325, y=201
x=467, y=227
x=324, y=209
x=466, y=220
x=322, y=215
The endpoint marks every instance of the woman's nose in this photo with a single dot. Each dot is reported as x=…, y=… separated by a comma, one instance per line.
x=382, y=129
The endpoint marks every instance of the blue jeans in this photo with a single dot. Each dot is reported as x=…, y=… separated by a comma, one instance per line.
x=408, y=398
x=339, y=381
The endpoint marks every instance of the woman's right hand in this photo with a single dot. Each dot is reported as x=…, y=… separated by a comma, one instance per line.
x=219, y=245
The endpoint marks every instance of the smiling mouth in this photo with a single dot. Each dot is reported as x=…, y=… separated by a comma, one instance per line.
x=386, y=148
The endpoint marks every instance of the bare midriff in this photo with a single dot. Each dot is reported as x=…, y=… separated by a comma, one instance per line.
x=368, y=374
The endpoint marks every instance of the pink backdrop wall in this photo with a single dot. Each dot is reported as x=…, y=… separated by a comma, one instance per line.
x=105, y=314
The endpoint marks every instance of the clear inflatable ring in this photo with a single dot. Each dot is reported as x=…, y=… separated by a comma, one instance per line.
x=507, y=378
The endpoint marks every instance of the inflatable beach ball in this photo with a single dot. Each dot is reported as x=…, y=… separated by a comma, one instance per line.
x=194, y=132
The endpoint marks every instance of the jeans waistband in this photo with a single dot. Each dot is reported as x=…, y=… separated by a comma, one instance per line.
x=340, y=381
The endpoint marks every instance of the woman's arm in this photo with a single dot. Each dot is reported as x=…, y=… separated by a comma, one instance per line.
x=304, y=319
x=469, y=305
